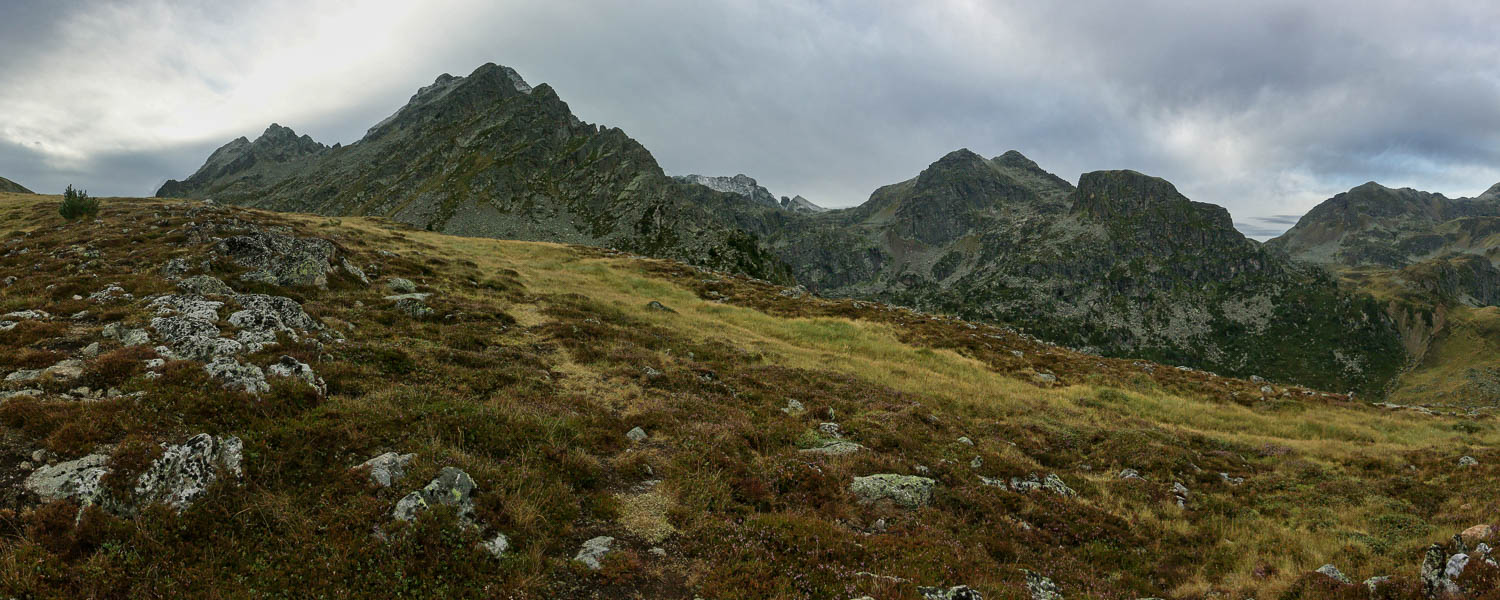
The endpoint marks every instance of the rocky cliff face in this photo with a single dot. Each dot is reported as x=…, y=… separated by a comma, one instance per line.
x=11, y=187
x=489, y=155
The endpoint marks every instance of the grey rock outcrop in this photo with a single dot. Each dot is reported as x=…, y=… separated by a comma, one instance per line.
x=75, y=479
x=594, y=551
x=281, y=259
x=204, y=285
x=958, y=592
x=452, y=487
x=909, y=491
x=1041, y=588
x=185, y=471
x=388, y=468
x=496, y=546
x=238, y=376
x=1333, y=573
x=182, y=474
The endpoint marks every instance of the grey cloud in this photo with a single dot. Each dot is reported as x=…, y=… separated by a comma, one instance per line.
x=1265, y=108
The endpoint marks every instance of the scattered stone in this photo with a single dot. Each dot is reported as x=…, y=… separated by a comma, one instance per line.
x=594, y=551
x=1129, y=474
x=1455, y=567
x=650, y=372
x=1046, y=378
x=27, y=393
x=636, y=435
x=829, y=429
x=26, y=315
x=1480, y=533
x=452, y=487
x=176, y=269
x=658, y=307
x=958, y=592
x=110, y=293
x=976, y=463
x=24, y=375
x=1231, y=480
x=1333, y=573
x=1374, y=583
x=835, y=448
x=794, y=408
x=496, y=546
x=353, y=271
x=1051, y=483
x=966, y=441
x=1041, y=588
x=204, y=285
x=1468, y=461
x=236, y=376
x=412, y=305
x=904, y=490
x=658, y=551
x=388, y=468
x=401, y=285
x=287, y=366
x=90, y=351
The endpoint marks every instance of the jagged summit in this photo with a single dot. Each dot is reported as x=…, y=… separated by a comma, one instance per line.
x=490, y=83
x=741, y=185
x=489, y=155
x=800, y=204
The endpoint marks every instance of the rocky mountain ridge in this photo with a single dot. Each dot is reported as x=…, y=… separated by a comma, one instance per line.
x=488, y=155
x=1122, y=265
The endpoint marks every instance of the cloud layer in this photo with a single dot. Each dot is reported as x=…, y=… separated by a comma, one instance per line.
x=1266, y=108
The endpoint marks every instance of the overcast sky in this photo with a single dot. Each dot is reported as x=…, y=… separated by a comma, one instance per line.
x=1266, y=108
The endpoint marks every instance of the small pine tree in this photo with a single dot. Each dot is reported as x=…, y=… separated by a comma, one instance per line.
x=77, y=203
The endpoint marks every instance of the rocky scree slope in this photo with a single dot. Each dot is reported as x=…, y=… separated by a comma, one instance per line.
x=438, y=415
x=488, y=155
x=1122, y=265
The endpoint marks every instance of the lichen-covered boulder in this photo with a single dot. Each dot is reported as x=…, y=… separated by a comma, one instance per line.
x=236, y=376
x=388, y=468
x=185, y=471
x=905, y=490
x=75, y=479
x=452, y=487
x=401, y=285
x=281, y=259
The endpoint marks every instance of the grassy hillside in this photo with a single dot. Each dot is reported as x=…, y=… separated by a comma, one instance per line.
x=539, y=358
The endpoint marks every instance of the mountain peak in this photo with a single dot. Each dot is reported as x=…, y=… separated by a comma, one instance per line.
x=1493, y=192
x=1126, y=194
x=1013, y=158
